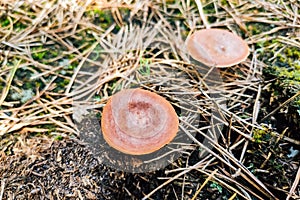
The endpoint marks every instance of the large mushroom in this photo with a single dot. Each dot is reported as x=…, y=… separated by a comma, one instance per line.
x=217, y=47
x=137, y=122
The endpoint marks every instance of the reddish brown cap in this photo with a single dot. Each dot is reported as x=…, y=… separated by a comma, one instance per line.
x=137, y=121
x=217, y=47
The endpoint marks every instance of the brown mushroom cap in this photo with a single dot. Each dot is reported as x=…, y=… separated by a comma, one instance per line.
x=217, y=47
x=137, y=121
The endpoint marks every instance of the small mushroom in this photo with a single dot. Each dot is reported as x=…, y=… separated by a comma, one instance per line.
x=137, y=121
x=217, y=47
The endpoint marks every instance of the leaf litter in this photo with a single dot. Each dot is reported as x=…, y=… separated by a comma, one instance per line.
x=46, y=44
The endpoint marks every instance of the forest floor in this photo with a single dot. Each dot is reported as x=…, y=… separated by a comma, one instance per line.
x=62, y=60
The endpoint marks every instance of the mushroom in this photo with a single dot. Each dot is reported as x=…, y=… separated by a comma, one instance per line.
x=137, y=121
x=217, y=47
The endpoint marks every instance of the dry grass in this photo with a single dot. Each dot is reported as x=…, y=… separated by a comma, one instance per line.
x=58, y=55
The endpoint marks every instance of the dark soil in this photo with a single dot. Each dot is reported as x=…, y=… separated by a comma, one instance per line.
x=67, y=170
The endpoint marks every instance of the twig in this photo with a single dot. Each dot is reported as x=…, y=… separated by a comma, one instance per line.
x=10, y=78
x=279, y=107
x=295, y=184
x=171, y=179
x=202, y=15
x=204, y=183
x=2, y=188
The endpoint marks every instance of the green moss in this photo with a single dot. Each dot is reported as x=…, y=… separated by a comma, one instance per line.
x=4, y=22
x=286, y=73
x=72, y=67
x=255, y=28
x=51, y=127
x=58, y=138
x=54, y=53
x=19, y=26
x=144, y=68
x=217, y=186
x=61, y=84
x=267, y=153
x=224, y=3
x=116, y=86
x=97, y=98
x=102, y=18
x=261, y=135
x=46, y=53
x=38, y=53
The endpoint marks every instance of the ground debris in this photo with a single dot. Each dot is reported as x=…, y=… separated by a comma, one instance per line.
x=76, y=174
